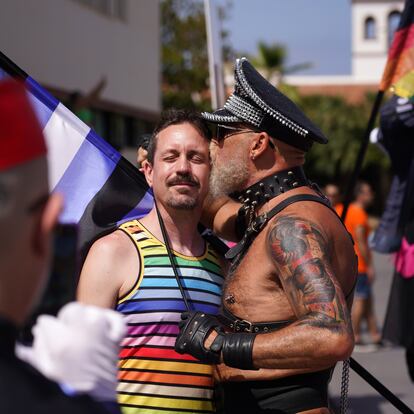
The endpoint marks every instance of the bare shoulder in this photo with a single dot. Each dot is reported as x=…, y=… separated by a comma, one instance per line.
x=319, y=229
x=109, y=264
x=292, y=235
x=302, y=250
x=110, y=252
x=115, y=245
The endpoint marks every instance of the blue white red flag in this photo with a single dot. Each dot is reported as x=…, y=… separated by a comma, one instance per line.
x=100, y=187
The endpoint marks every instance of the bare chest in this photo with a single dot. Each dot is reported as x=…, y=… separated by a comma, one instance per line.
x=253, y=290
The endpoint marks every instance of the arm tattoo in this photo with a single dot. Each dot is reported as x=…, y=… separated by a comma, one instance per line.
x=301, y=254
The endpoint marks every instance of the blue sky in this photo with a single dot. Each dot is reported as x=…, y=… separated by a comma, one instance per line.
x=316, y=31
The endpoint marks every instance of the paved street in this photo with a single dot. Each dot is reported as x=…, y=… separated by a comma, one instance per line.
x=387, y=365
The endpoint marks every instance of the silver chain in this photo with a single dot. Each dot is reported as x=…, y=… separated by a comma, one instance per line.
x=344, y=401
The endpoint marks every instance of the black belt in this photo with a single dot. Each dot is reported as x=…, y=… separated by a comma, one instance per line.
x=242, y=325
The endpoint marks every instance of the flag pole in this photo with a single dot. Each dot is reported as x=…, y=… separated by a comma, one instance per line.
x=11, y=68
x=215, y=58
x=361, y=155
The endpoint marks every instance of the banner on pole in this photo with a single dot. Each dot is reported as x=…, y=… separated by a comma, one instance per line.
x=399, y=70
x=101, y=188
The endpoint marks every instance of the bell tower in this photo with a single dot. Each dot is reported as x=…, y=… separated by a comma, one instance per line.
x=373, y=25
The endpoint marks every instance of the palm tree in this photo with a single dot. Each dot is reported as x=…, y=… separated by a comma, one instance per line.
x=271, y=59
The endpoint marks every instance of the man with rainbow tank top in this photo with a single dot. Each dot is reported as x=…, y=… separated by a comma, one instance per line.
x=130, y=270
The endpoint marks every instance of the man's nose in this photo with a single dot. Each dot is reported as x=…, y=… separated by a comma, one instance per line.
x=183, y=164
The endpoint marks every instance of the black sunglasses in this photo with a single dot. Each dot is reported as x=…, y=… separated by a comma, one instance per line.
x=221, y=132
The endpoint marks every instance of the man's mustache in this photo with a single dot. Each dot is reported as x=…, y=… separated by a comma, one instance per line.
x=183, y=179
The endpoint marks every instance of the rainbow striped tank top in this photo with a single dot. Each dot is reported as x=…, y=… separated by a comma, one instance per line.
x=153, y=378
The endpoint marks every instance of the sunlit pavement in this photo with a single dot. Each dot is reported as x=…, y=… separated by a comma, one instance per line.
x=387, y=364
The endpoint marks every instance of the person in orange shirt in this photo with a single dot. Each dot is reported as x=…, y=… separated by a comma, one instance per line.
x=356, y=222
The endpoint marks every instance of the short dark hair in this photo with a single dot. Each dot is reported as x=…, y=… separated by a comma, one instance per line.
x=143, y=141
x=177, y=117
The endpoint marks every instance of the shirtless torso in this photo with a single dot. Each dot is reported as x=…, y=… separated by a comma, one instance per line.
x=300, y=268
x=255, y=291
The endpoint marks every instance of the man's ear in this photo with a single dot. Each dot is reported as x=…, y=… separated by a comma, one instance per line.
x=46, y=223
x=147, y=170
x=260, y=143
x=137, y=157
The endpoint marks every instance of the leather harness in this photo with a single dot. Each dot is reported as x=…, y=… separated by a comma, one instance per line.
x=251, y=199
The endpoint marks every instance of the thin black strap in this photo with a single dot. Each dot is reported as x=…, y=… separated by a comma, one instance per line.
x=259, y=222
x=170, y=256
x=294, y=199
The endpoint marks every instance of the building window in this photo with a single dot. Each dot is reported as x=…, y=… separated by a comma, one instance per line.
x=393, y=22
x=370, y=28
x=111, y=8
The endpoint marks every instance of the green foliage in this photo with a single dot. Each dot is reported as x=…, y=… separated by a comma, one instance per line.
x=344, y=124
x=271, y=60
x=184, y=52
x=185, y=72
x=272, y=57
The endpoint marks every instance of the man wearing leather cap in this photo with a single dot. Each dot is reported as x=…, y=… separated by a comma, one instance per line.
x=284, y=321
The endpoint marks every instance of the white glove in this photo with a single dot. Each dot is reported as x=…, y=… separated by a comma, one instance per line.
x=80, y=348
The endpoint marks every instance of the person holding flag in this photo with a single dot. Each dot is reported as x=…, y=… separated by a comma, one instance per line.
x=394, y=133
x=395, y=231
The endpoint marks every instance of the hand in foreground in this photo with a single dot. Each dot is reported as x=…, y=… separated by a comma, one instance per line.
x=195, y=327
x=79, y=348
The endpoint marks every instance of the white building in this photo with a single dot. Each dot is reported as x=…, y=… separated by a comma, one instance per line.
x=373, y=25
x=70, y=45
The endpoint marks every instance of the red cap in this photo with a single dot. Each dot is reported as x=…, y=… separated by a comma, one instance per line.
x=21, y=137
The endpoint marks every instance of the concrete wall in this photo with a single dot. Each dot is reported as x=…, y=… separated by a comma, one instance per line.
x=69, y=46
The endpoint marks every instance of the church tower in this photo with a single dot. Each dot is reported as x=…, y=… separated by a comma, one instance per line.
x=373, y=25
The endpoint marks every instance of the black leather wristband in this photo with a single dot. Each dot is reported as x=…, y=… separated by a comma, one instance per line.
x=237, y=350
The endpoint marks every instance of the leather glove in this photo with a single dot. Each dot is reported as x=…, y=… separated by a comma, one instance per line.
x=236, y=348
x=194, y=329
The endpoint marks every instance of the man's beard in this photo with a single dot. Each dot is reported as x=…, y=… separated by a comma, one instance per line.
x=183, y=201
x=231, y=176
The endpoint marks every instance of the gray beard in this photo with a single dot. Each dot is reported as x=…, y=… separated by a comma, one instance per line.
x=228, y=178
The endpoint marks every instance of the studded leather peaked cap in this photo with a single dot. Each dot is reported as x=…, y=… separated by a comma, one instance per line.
x=256, y=102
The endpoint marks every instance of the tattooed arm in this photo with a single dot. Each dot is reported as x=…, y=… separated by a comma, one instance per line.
x=322, y=334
